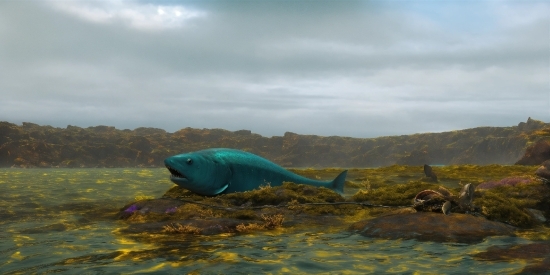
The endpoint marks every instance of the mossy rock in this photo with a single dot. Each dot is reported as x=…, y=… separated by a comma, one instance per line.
x=509, y=203
x=393, y=195
x=427, y=226
x=286, y=193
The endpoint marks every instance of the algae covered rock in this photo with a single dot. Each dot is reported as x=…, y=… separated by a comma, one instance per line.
x=510, y=203
x=513, y=198
x=536, y=254
x=427, y=226
x=181, y=211
x=393, y=195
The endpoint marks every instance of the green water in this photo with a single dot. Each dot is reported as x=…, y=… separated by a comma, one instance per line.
x=62, y=221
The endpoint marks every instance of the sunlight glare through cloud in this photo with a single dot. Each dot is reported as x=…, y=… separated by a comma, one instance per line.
x=136, y=15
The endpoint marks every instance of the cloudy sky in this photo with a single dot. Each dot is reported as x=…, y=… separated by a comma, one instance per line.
x=348, y=68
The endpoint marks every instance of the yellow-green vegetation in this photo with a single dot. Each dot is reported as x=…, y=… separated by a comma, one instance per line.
x=182, y=229
x=393, y=195
x=392, y=186
x=509, y=203
x=269, y=222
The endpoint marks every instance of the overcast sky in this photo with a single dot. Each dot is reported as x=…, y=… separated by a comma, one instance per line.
x=347, y=68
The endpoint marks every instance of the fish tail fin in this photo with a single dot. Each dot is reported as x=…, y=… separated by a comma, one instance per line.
x=338, y=183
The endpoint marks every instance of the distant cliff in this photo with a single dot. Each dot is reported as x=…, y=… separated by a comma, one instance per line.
x=32, y=145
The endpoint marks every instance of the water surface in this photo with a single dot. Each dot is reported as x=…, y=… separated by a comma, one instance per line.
x=63, y=220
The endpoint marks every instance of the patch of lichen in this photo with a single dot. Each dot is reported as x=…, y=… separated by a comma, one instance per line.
x=509, y=203
x=393, y=195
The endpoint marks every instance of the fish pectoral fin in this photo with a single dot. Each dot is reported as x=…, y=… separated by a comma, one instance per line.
x=221, y=189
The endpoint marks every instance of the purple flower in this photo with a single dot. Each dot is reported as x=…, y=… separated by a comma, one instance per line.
x=512, y=181
x=171, y=210
x=131, y=209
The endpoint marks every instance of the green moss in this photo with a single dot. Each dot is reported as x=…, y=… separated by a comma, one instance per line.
x=508, y=203
x=390, y=186
x=499, y=208
x=282, y=194
x=393, y=195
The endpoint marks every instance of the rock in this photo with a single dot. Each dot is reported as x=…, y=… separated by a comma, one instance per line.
x=427, y=226
x=536, y=214
x=536, y=153
x=158, y=206
x=466, y=196
x=536, y=254
x=429, y=172
x=544, y=171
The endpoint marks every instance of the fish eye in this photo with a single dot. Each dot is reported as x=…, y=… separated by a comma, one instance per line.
x=189, y=161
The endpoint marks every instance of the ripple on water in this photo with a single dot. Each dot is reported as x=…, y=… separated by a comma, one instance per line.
x=62, y=220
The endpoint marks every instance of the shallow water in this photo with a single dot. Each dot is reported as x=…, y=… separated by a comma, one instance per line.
x=62, y=221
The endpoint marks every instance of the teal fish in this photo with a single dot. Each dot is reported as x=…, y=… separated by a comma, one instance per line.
x=220, y=171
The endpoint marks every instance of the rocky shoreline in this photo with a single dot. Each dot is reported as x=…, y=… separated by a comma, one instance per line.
x=378, y=203
x=31, y=145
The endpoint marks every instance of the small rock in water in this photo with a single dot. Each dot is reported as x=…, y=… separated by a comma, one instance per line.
x=429, y=172
x=427, y=226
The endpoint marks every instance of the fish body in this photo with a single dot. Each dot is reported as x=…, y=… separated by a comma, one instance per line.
x=220, y=171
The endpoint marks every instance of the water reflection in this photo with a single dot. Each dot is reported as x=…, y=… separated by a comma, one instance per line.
x=63, y=220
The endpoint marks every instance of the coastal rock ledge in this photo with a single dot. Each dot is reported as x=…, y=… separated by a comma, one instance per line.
x=428, y=226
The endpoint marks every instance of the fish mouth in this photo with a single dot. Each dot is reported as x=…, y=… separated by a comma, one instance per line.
x=175, y=173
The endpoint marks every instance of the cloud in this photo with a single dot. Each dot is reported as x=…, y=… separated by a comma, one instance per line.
x=352, y=68
x=134, y=14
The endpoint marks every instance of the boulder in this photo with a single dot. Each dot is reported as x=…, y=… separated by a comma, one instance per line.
x=536, y=254
x=427, y=226
x=536, y=153
x=428, y=171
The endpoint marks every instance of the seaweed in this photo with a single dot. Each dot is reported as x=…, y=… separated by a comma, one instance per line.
x=513, y=192
x=393, y=195
x=508, y=203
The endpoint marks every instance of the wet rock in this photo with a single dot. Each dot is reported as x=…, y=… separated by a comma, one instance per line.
x=537, y=254
x=427, y=226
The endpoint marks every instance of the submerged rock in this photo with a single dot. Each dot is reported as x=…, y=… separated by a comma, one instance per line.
x=537, y=254
x=427, y=226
